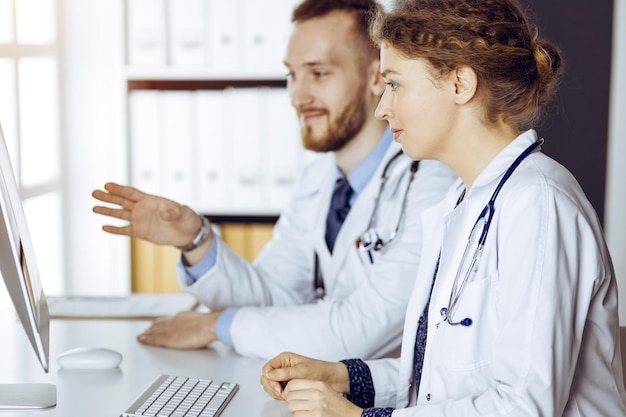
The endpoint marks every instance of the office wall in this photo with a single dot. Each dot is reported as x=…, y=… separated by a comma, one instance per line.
x=94, y=142
x=586, y=126
x=576, y=129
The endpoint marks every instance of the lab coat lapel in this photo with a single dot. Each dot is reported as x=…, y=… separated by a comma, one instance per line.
x=359, y=215
x=431, y=220
x=325, y=187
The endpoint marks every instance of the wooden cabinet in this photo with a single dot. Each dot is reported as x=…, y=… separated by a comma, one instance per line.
x=153, y=266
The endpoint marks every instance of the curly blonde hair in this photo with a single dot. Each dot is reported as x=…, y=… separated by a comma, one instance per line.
x=517, y=72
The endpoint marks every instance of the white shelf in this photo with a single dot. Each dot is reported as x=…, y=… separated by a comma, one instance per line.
x=187, y=74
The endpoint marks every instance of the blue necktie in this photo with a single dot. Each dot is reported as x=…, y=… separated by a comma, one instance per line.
x=339, y=208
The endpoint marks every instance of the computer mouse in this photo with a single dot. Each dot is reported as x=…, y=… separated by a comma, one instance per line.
x=89, y=358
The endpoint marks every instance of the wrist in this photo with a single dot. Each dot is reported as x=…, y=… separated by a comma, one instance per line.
x=203, y=235
x=211, y=328
x=340, y=381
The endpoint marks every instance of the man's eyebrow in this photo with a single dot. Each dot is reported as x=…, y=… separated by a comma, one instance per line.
x=309, y=64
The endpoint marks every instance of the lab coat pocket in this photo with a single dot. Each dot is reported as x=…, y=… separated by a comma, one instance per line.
x=469, y=347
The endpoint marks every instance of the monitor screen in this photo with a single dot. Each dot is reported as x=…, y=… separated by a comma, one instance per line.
x=18, y=265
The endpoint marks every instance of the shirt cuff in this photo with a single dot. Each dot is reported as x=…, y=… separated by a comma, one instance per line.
x=361, y=384
x=223, y=325
x=196, y=271
x=377, y=412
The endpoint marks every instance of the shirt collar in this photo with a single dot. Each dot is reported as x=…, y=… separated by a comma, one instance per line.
x=361, y=175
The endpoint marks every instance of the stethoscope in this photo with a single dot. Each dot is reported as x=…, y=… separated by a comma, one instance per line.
x=484, y=222
x=370, y=240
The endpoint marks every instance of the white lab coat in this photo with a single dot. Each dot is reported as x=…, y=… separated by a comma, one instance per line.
x=545, y=334
x=363, y=311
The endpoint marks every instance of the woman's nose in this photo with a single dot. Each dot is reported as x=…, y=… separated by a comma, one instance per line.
x=383, y=110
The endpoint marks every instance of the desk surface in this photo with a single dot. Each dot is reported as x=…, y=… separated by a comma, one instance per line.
x=108, y=393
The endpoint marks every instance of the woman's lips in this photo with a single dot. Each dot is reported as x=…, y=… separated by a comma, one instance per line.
x=396, y=133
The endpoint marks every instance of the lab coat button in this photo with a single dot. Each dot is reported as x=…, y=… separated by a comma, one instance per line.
x=428, y=397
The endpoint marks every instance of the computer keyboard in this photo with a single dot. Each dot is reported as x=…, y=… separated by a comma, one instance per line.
x=176, y=396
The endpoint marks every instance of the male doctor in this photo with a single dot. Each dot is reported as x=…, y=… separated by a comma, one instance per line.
x=308, y=290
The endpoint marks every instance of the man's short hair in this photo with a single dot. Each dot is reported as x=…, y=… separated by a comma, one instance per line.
x=362, y=10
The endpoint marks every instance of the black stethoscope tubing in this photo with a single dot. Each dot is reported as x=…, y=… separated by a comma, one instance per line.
x=488, y=212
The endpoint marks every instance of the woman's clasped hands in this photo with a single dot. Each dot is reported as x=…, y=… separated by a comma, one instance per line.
x=310, y=387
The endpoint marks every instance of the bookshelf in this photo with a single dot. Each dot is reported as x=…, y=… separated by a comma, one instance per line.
x=209, y=122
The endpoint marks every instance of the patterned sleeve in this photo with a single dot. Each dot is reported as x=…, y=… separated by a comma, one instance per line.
x=361, y=384
x=377, y=412
x=362, y=389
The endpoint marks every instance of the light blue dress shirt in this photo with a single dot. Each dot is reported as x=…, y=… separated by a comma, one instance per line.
x=358, y=179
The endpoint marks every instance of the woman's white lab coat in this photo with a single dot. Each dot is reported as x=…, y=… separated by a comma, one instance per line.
x=545, y=332
x=363, y=312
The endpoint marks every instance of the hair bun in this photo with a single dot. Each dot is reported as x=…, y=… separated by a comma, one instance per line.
x=549, y=67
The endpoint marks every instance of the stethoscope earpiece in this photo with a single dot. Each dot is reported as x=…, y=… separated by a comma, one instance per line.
x=369, y=241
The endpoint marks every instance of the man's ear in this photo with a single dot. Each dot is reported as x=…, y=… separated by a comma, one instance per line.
x=376, y=83
x=465, y=83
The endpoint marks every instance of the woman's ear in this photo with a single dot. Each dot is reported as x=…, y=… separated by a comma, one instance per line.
x=466, y=83
x=377, y=84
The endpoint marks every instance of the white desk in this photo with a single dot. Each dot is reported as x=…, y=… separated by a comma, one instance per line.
x=108, y=393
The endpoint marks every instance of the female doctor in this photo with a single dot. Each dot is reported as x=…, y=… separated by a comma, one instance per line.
x=514, y=310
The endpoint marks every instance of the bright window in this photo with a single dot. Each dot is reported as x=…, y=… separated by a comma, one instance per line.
x=8, y=112
x=38, y=120
x=36, y=21
x=6, y=21
x=30, y=114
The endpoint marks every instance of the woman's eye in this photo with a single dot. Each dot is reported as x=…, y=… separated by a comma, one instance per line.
x=392, y=85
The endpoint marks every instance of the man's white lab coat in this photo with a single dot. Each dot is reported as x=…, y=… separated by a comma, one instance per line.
x=363, y=311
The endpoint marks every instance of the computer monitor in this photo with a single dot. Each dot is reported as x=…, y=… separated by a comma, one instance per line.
x=18, y=268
